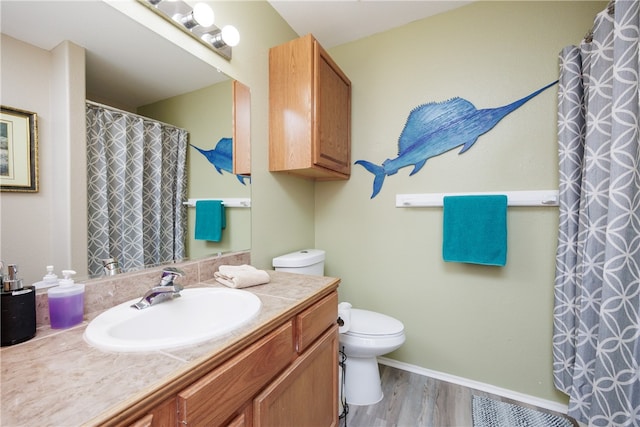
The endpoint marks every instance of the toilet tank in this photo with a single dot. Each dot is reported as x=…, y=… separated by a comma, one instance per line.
x=306, y=261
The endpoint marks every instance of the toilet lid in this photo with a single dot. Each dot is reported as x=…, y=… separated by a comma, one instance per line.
x=365, y=322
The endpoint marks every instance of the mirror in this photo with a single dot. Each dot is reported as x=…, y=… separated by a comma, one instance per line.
x=132, y=68
x=208, y=116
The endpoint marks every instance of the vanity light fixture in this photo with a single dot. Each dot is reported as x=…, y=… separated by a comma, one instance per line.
x=198, y=23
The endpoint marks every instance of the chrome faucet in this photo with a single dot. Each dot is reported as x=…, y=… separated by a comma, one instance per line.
x=111, y=267
x=166, y=290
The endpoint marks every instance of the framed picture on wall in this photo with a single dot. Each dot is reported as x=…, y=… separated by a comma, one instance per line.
x=18, y=150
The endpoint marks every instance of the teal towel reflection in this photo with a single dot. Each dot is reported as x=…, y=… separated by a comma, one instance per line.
x=475, y=229
x=210, y=220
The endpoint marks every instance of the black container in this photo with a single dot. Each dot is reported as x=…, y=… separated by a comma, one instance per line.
x=18, y=316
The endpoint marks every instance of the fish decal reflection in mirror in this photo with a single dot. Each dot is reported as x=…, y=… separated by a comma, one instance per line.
x=437, y=127
x=221, y=157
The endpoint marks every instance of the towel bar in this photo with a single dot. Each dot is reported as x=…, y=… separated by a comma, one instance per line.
x=227, y=202
x=514, y=198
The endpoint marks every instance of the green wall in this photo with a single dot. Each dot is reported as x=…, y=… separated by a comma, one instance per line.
x=488, y=324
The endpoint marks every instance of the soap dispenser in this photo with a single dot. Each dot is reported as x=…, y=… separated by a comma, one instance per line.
x=18, y=309
x=48, y=280
x=66, y=302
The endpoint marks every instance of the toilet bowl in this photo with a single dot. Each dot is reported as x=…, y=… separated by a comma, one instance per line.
x=369, y=335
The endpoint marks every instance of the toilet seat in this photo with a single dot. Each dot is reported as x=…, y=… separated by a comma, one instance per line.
x=370, y=324
x=371, y=336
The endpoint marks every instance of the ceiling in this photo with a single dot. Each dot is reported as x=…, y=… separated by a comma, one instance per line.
x=337, y=22
x=134, y=66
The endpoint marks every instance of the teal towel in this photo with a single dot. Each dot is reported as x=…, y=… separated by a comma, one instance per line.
x=210, y=220
x=475, y=229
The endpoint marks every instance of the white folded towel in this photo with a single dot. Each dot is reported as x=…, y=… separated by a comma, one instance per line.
x=241, y=276
x=225, y=269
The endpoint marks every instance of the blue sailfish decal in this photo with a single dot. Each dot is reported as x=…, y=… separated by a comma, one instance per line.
x=437, y=127
x=221, y=157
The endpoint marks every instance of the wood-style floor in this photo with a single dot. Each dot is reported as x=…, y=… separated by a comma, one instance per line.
x=413, y=400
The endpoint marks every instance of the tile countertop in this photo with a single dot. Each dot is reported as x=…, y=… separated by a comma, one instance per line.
x=57, y=379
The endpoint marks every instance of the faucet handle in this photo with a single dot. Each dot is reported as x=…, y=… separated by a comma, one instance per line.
x=170, y=274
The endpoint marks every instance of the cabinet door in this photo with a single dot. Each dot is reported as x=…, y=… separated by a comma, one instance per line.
x=216, y=397
x=306, y=394
x=241, y=129
x=290, y=105
x=332, y=132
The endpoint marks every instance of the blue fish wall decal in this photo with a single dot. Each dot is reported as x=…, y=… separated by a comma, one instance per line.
x=437, y=127
x=221, y=157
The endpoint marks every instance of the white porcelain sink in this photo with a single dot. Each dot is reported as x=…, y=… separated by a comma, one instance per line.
x=198, y=315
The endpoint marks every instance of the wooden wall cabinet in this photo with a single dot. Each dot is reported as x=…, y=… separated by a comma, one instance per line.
x=289, y=377
x=309, y=112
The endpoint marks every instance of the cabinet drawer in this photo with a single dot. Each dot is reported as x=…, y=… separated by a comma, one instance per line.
x=220, y=394
x=312, y=322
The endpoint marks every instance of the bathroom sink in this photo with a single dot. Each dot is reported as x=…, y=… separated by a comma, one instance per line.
x=198, y=315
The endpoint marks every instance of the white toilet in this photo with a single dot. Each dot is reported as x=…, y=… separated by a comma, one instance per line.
x=369, y=335
x=364, y=336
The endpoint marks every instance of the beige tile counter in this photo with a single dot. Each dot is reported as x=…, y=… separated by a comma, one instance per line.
x=57, y=379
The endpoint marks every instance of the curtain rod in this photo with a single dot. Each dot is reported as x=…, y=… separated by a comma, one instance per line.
x=118, y=110
x=611, y=10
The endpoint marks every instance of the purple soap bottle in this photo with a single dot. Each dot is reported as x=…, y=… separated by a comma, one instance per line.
x=66, y=302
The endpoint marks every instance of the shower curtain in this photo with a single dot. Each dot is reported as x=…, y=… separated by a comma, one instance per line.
x=136, y=174
x=596, y=342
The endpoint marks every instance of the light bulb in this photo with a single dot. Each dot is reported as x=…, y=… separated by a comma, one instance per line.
x=230, y=35
x=200, y=15
x=203, y=14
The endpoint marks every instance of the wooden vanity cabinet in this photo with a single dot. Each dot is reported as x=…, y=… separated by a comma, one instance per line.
x=289, y=377
x=309, y=112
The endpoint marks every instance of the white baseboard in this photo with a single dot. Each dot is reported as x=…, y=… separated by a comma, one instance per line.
x=510, y=394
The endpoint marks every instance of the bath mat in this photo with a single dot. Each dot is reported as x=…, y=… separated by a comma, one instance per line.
x=492, y=413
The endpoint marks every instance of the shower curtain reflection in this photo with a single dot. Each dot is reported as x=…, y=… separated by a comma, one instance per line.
x=136, y=174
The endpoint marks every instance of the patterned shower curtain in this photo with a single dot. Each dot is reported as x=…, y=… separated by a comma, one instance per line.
x=596, y=343
x=136, y=189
